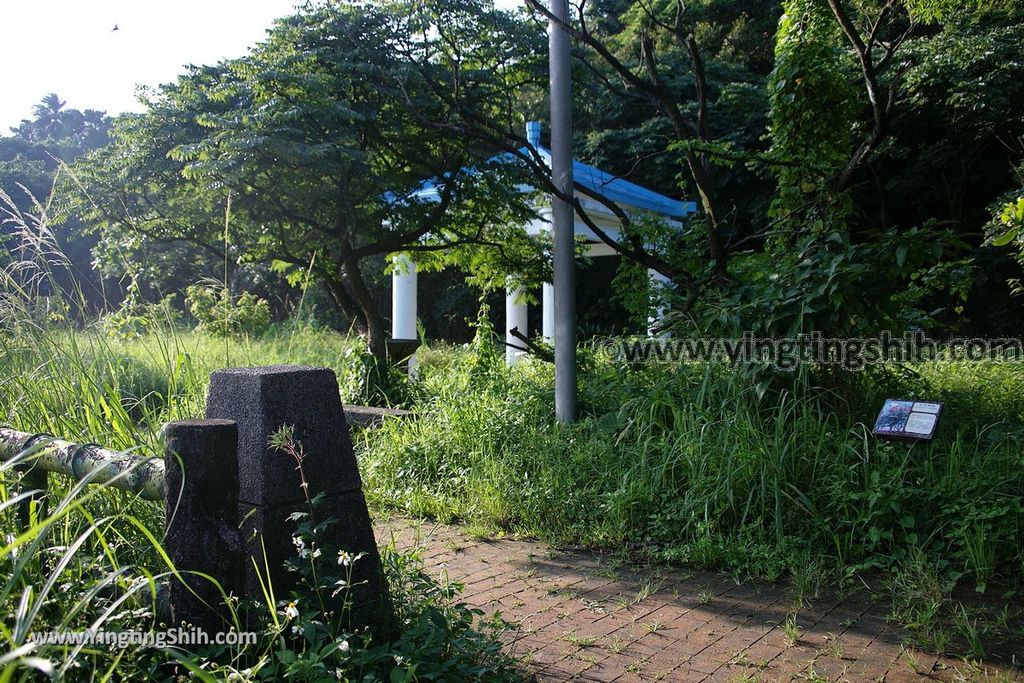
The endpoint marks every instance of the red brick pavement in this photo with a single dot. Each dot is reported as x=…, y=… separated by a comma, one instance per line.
x=584, y=618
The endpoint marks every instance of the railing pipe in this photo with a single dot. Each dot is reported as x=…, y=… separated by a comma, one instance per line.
x=126, y=471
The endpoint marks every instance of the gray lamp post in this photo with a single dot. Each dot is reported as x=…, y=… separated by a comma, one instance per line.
x=562, y=213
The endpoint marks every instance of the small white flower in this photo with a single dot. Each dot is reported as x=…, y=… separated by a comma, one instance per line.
x=344, y=558
x=291, y=611
x=343, y=647
x=297, y=630
x=300, y=545
x=316, y=553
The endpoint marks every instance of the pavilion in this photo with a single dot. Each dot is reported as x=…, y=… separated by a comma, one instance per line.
x=632, y=198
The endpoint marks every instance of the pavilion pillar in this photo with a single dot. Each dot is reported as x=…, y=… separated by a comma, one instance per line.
x=548, y=312
x=403, y=298
x=515, y=318
x=659, y=284
x=403, y=301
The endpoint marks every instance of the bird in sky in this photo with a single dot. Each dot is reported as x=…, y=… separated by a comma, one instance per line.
x=114, y=29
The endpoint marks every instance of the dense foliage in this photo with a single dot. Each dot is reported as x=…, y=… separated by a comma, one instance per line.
x=834, y=147
x=846, y=159
x=31, y=159
x=315, y=146
x=92, y=559
x=692, y=464
x=685, y=465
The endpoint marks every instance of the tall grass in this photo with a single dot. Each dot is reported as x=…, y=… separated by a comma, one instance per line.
x=85, y=384
x=693, y=464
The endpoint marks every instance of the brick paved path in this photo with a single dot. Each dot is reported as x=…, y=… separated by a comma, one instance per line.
x=583, y=618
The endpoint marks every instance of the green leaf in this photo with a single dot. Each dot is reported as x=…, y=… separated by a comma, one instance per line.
x=1005, y=238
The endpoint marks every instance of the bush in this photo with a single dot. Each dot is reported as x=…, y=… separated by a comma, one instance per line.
x=221, y=315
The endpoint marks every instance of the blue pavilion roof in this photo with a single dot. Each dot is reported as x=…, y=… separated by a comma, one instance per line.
x=612, y=187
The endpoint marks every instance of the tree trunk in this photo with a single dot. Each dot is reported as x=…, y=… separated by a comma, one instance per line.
x=347, y=305
x=375, y=332
x=353, y=298
x=716, y=249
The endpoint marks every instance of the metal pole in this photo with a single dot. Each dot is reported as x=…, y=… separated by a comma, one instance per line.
x=562, y=214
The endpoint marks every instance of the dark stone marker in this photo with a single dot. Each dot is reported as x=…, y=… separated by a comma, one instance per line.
x=202, y=520
x=262, y=400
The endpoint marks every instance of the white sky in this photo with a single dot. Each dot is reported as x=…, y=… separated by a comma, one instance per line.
x=68, y=47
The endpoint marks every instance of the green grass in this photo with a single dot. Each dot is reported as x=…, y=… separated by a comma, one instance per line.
x=91, y=558
x=692, y=465
x=83, y=384
x=689, y=465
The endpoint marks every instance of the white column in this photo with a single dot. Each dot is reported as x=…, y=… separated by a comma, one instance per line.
x=548, y=312
x=403, y=298
x=515, y=316
x=659, y=285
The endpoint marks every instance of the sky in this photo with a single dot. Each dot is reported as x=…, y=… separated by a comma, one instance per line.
x=69, y=47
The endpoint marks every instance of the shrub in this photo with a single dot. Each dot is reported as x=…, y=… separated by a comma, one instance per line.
x=136, y=318
x=221, y=315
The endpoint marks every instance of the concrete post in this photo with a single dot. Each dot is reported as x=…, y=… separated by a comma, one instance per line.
x=515, y=317
x=548, y=312
x=202, y=521
x=262, y=400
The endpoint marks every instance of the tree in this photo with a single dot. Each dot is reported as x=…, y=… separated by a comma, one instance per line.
x=659, y=52
x=317, y=135
x=30, y=161
x=846, y=89
x=891, y=116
